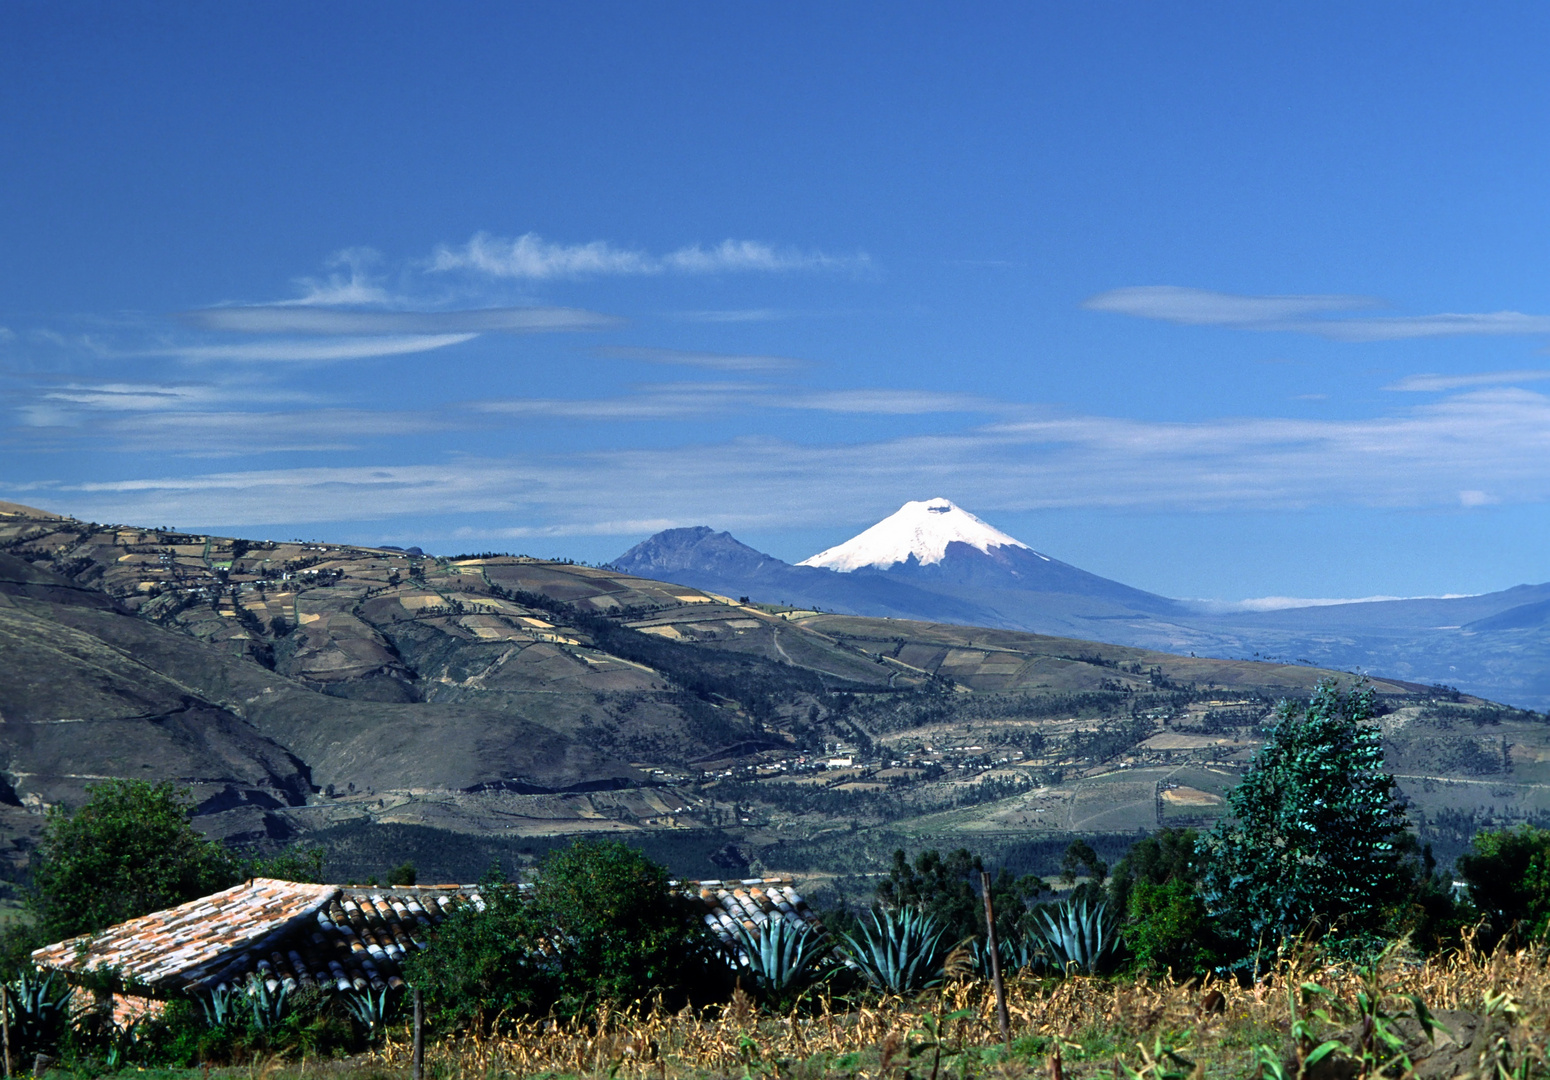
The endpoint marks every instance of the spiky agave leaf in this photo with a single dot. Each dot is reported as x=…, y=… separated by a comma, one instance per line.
x=218, y=1005
x=269, y=1004
x=901, y=952
x=1016, y=953
x=370, y=1008
x=39, y=1010
x=781, y=955
x=1075, y=934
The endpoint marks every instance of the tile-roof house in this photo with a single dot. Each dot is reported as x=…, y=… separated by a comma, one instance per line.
x=344, y=938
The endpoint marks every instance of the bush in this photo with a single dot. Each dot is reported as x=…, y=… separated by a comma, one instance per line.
x=1167, y=928
x=600, y=924
x=624, y=933
x=481, y=964
x=1156, y=888
x=129, y=851
x=1508, y=874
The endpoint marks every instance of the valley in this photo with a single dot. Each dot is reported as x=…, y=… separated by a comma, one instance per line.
x=388, y=705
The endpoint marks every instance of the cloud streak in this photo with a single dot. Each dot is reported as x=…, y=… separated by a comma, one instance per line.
x=288, y=319
x=532, y=258
x=1469, y=450
x=314, y=350
x=1434, y=383
x=1321, y=316
x=709, y=360
x=671, y=401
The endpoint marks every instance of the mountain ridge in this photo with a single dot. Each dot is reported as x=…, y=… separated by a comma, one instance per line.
x=1496, y=645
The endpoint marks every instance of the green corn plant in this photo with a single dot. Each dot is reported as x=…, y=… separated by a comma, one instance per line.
x=1075, y=935
x=782, y=957
x=1380, y=1044
x=1163, y=1061
x=370, y=1009
x=901, y=952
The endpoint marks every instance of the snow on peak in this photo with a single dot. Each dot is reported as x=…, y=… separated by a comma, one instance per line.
x=921, y=529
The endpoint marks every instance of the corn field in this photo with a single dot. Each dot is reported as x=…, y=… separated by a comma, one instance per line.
x=1493, y=1012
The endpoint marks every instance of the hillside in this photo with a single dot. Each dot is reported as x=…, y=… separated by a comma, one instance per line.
x=390, y=705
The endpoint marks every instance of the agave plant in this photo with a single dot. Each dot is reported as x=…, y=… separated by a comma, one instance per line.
x=1075, y=935
x=219, y=1007
x=39, y=1010
x=268, y=1005
x=901, y=952
x=781, y=956
x=1015, y=954
x=370, y=1009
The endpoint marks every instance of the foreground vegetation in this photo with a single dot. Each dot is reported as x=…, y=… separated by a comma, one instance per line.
x=1303, y=936
x=1488, y=1018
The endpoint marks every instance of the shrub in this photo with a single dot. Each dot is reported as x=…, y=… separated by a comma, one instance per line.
x=481, y=963
x=129, y=851
x=600, y=924
x=622, y=933
x=1167, y=929
x=1508, y=874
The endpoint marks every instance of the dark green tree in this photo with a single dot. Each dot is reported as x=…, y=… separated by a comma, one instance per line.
x=1080, y=860
x=948, y=888
x=600, y=923
x=484, y=963
x=128, y=851
x=1156, y=890
x=1314, y=840
x=625, y=933
x=1167, y=855
x=1508, y=874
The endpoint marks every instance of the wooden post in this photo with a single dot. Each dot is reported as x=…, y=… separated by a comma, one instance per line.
x=5, y=1026
x=995, y=961
x=419, y=1035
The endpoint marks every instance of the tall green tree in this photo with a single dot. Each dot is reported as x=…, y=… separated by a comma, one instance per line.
x=1314, y=843
x=130, y=850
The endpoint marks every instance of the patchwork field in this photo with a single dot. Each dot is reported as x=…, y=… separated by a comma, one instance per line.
x=310, y=690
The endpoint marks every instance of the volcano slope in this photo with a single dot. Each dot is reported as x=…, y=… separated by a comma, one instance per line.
x=392, y=706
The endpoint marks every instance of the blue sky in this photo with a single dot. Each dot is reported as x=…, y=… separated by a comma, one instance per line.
x=1223, y=301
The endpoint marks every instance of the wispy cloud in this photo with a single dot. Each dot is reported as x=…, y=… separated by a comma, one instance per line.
x=1465, y=451
x=284, y=319
x=162, y=397
x=1434, y=383
x=1282, y=603
x=315, y=350
x=734, y=315
x=711, y=360
x=667, y=401
x=530, y=257
x=1318, y=315
x=1201, y=307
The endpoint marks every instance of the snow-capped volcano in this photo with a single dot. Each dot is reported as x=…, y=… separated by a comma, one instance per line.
x=918, y=530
